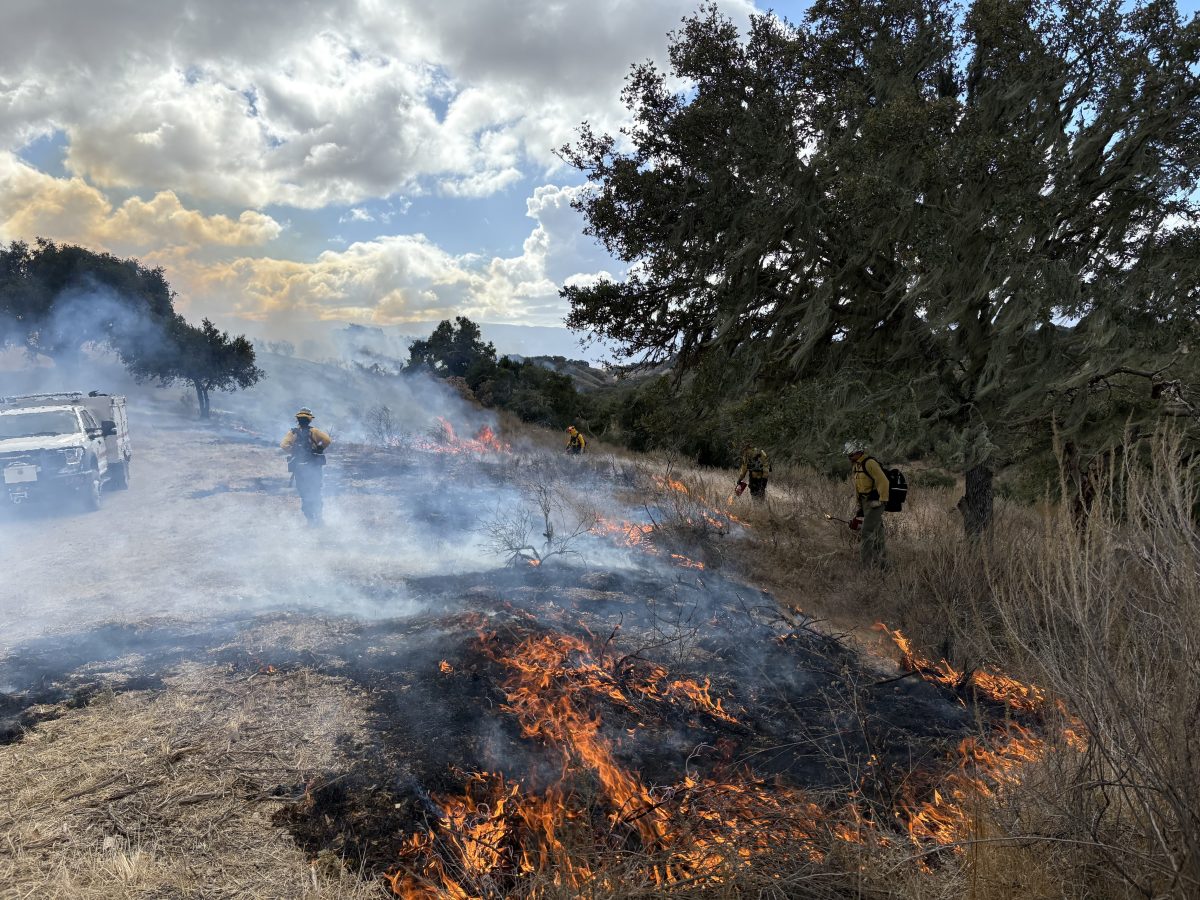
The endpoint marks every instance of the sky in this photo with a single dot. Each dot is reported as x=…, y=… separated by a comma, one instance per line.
x=295, y=165
x=298, y=165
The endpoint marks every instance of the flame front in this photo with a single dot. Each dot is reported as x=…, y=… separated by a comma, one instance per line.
x=944, y=818
x=498, y=830
x=698, y=830
x=447, y=441
x=1001, y=688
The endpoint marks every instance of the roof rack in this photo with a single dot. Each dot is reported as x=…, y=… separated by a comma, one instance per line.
x=69, y=396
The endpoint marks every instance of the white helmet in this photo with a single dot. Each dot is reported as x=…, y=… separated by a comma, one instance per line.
x=854, y=446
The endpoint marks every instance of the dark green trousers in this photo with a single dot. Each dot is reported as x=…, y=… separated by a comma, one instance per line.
x=874, y=544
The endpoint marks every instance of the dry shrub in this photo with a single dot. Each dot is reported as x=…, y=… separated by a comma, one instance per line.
x=1104, y=613
x=550, y=523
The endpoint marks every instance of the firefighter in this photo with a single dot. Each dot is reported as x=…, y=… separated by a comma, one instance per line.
x=306, y=457
x=871, y=488
x=575, y=441
x=757, y=467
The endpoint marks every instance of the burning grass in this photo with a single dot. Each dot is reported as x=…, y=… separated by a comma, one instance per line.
x=649, y=729
x=710, y=826
x=499, y=757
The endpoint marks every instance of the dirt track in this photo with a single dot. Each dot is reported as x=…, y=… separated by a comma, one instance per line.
x=209, y=527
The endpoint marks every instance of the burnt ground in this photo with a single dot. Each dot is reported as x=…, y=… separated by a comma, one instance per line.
x=209, y=577
x=805, y=710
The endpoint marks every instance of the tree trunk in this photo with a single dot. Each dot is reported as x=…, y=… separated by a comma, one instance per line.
x=976, y=504
x=201, y=398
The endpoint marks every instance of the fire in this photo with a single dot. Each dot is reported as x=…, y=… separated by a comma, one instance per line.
x=998, y=687
x=720, y=519
x=447, y=441
x=981, y=770
x=445, y=668
x=696, y=831
x=639, y=537
x=945, y=819
x=498, y=830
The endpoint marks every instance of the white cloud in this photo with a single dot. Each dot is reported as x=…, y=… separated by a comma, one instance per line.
x=35, y=204
x=401, y=278
x=316, y=102
x=356, y=214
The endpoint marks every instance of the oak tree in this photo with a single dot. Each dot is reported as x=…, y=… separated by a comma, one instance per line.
x=990, y=212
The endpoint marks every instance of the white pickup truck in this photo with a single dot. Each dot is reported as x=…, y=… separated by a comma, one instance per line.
x=68, y=443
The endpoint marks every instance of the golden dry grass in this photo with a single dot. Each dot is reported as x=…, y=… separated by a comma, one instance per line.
x=170, y=794
x=1104, y=614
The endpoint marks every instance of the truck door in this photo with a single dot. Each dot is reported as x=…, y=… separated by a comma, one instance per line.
x=95, y=442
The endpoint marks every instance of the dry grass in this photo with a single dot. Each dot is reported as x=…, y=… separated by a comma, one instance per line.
x=1106, y=617
x=171, y=794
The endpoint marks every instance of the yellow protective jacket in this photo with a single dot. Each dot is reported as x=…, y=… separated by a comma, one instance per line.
x=576, y=442
x=317, y=439
x=755, y=464
x=870, y=481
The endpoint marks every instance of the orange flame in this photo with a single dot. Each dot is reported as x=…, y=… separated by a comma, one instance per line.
x=944, y=819
x=497, y=829
x=639, y=537
x=998, y=687
x=498, y=832
x=717, y=518
x=447, y=441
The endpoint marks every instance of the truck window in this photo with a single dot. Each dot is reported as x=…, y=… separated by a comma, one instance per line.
x=88, y=422
x=38, y=424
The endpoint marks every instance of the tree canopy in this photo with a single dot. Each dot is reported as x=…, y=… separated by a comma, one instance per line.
x=987, y=213
x=524, y=387
x=451, y=349
x=57, y=298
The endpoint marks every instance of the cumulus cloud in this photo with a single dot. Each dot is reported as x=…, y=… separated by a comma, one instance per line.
x=357, y=214
x=319, y=102
x=180, y=122
x=406, y=278
x=33, y=204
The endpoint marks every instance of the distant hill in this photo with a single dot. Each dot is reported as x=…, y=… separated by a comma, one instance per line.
x=374, y=343
x=585, y=376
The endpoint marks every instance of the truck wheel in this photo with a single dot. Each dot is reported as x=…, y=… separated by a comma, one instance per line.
x=120, y=476
x=91, y=491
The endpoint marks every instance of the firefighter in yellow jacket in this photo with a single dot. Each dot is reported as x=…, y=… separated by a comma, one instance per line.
x=757, y=468
x=575, y=441
x=871, y=487
x=306, y=458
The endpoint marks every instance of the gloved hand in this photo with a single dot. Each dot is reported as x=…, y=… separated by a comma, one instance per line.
x=856, y=523
x=874, y=504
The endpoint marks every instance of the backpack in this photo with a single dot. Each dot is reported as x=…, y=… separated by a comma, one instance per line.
x=897, y=488
x=757, y=465
x=303, y=451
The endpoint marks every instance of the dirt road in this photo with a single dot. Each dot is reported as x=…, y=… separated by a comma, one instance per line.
x=209, y=526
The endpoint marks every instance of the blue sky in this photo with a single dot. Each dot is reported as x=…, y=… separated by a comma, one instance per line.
x=298, y=165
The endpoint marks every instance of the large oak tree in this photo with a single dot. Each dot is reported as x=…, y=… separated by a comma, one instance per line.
x=992, y=210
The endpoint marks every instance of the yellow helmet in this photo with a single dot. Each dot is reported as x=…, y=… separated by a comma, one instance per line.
x=305, y=413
